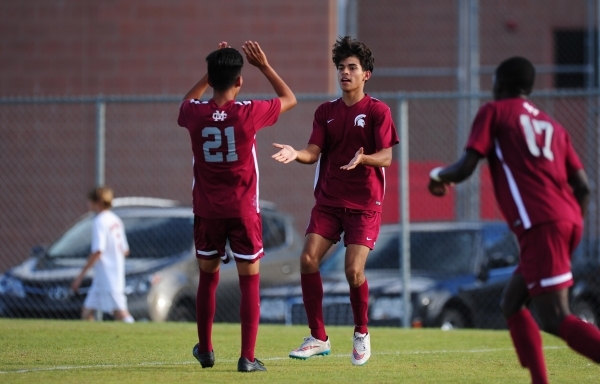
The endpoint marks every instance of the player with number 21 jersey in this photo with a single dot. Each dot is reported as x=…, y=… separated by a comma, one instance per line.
x=224, y=145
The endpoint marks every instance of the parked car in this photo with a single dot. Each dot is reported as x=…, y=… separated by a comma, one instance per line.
x=458, y=272
x=585, y=293
x=161, y=271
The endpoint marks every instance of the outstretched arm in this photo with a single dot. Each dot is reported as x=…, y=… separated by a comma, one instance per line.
x=200, y=87
x=256, y=57
x=287, y=154
x=581, y=189
x=381, y=158
x=441, y=177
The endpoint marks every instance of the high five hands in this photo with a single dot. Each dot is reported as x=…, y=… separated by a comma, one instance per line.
x=254, y=54
x=286, y=154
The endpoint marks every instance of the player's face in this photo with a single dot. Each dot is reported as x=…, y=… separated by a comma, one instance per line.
x=351, y=75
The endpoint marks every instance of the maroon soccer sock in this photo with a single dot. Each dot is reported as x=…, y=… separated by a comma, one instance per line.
x=359, y=299
x=581, y=336
x=249, y=313
x=312, y=295
x=527, y=340
x=205, y=309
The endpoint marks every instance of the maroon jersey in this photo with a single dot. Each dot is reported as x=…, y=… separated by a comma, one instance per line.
x=224, y=147
x=340, y=131
x=531, y=158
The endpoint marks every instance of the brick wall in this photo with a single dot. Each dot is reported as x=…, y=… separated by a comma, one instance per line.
x=154, y=47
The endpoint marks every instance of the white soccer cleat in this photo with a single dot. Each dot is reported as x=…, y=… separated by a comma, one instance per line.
x=311, y=347
x=362, y=348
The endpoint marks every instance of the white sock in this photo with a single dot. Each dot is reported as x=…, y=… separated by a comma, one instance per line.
x=129, y=319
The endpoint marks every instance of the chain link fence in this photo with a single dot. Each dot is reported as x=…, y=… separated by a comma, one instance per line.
x=54, y=149
x=57, y=149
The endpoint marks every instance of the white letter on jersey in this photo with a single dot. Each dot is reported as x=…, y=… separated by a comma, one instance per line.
x=533, y=127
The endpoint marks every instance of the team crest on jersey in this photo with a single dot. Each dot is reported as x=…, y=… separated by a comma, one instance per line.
x=219, y=116
x=359, y=121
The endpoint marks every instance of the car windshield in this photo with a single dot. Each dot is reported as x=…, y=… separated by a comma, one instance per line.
x=148, y=237
x=431, y=251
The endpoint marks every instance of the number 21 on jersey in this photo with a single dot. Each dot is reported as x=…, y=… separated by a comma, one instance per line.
x=532, y=128
x=215, y=143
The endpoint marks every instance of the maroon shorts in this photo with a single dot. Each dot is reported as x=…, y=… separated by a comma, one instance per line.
x=359, y=227
x=546, y=256
x=244, y=234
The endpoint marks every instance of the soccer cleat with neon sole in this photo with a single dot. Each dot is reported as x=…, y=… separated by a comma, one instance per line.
x=311, y=347
x=361, y=351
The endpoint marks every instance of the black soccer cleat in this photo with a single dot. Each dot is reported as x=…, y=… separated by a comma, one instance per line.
x=244, y=365
x=206, y=359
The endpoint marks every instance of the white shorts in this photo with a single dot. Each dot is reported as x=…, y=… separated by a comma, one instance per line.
x=105, y=301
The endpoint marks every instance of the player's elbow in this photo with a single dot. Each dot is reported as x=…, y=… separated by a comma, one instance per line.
x=582, y=191
x=580, y=184
x=288, y=102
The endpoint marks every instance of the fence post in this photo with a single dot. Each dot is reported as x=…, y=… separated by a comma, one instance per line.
x=100, y=140
x=404, y=207
x=593, y=209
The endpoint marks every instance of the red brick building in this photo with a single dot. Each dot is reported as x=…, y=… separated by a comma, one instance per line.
x=153, y=47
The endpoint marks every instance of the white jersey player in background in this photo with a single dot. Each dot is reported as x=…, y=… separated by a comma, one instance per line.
x=107, y=258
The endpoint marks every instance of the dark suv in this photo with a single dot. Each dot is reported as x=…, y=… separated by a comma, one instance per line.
x=458, y=272
x=161, y=271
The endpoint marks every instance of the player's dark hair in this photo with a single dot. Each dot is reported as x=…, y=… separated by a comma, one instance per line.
x=224, y=67
x=345, y=47
x=516, y=75
x=102, y=195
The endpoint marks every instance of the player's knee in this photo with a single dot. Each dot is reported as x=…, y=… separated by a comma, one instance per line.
x=509, y=307
x=355, y=277
x=551, y=322
x=308, y=263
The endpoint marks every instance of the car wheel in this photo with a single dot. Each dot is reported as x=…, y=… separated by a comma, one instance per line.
x=585, y=312
x=183, y=312
x=452, y=319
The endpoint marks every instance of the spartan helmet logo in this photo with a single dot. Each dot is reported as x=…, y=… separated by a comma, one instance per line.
x=359, y=121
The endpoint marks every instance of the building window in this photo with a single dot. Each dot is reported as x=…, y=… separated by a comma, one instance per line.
x=571, y=57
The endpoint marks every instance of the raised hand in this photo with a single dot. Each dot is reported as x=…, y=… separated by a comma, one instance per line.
x=254, y=54
x=286, y=155
x=222, y=44
x=358, y=157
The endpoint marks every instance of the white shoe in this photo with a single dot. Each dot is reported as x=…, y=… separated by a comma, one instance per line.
x=362, y=348
x=311, y=347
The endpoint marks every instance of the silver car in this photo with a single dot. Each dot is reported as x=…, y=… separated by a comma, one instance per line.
x=161, y=271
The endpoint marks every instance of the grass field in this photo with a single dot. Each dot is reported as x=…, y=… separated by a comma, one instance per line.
x=43, y=351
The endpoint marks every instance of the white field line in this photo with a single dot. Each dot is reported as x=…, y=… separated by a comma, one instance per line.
x=157, y=363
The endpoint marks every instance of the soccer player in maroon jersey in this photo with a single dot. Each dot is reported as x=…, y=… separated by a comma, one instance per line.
x=225, y=191
x=352, y=140
x=543, y=192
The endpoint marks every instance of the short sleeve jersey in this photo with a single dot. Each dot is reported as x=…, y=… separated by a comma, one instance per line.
x=339, y=131
x=224, y=146
x=531, y=159
x=108, y=238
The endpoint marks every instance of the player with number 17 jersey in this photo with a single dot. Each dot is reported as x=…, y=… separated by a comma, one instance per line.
x=224, y=146
x=530, y=157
